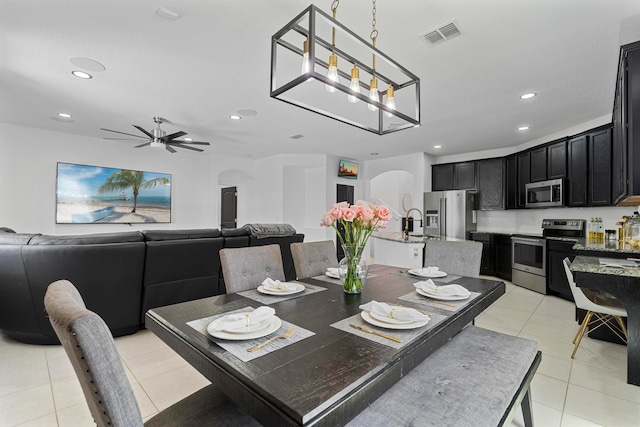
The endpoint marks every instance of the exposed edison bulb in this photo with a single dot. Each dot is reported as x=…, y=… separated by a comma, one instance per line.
x=373, y=94
x=390, y=101
x=333, y=73
x=306, y=66
x=354, y=85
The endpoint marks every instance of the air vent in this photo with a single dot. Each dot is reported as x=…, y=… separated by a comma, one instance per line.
x=441, y=34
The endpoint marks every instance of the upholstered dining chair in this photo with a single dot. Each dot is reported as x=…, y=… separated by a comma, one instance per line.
x=313, y=258
x=461, y=258
x=602, y=309
x=246, y=268
x=90, y=347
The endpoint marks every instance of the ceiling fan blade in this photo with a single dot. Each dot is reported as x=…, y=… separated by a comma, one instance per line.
x=173, y=136
x=183, y=146
x=150, y=135
x=191, y=142
x=123, y=133
x=126, y=139
x=142, y=145
x=170, y=148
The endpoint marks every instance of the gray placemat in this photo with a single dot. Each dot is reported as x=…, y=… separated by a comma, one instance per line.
x=239, y=348
x=446, y=279
x=326, y=278
x=443, y=305
x=271, y=299
x=407, y=335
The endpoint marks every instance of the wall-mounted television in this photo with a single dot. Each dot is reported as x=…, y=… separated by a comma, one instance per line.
x=348, y=169
x=98, y=195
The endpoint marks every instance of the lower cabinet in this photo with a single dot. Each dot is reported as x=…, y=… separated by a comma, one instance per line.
x=557, y=283
x=486, y=264
x=397, y=254
x=496, y=254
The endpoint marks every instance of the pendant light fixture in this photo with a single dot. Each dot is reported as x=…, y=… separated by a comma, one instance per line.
x=306, y=39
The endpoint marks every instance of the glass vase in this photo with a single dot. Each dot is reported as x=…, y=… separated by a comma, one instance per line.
x=352, y=269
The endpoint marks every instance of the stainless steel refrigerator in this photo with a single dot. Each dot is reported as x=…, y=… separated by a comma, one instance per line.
x=450, y=213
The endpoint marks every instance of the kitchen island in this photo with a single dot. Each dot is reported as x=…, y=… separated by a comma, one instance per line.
x=398, y=249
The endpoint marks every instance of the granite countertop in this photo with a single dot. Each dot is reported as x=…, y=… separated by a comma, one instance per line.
x=591, y=264
x=419, y=238
x=608, y=246
x=490, y=232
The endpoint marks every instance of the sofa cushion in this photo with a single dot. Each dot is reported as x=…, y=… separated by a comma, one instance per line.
x=16, y=238
x=234, y=232
x=159, y=235
x=88, y=239
x=261, y=231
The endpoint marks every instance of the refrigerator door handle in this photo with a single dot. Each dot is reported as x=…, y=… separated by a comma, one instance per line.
x=443, y=216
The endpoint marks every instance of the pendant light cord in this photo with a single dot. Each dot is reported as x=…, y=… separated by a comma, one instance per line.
x=374, y=32
x=334, y=9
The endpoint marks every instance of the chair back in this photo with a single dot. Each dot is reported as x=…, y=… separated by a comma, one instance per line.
x=90, y=347
x=461, y=258
x=246, y=268
x=313, y=258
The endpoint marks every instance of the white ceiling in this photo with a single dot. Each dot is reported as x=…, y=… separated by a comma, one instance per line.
x=214, y=60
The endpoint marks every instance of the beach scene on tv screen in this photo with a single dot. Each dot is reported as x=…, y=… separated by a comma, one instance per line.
x=93, y=194
x=348, y=169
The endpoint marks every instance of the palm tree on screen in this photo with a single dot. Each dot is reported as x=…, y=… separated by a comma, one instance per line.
x=124, y=179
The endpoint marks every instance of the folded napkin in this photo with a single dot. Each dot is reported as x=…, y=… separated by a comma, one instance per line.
x=278, y=286
x=333, y=270
x=429, y=270
x=394, y=312
x=446, y=290
x=237, y=321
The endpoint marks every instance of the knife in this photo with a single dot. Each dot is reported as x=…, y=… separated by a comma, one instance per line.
x=369, y=331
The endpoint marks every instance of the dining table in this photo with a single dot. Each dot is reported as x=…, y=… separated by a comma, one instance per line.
x=328, y=370
x=620, y=278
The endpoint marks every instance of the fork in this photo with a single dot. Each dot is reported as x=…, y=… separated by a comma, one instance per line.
x=287, y=334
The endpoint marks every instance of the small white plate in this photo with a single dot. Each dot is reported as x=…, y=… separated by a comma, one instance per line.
x=418, y=272
x=332, y=275
x=387, y=319
x=273, y=326
x=366, y=316
x=442, y=297
x=299, y=288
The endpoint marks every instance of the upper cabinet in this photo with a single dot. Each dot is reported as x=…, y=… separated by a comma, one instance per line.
x=626, y=128
x=538, y=170
x=511, y=178
x=557, y=159
x=599, y=193
x=576, y=192
x=453, y=176
x=491, y=184
x=523, y=166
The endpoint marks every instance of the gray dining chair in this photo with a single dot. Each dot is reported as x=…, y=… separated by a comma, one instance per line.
x=313, y=258
x=90, y=347
x=246, y=268
x=463, y=257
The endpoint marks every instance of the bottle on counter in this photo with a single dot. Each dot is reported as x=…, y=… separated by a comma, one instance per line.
x=599, y=230
x=591, y=230
x=632, y=230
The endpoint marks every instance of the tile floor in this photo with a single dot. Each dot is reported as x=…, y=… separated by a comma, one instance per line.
x=38, y=386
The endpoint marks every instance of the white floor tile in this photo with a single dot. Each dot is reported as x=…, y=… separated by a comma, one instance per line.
x=558, y=307
x=548, y=391
x=154, y=363
x=608, y=381
x=76, y=416
x=601, y=408
x=140, y=343
x=504, y=317
x=543, y=415
x=569, y=420
x=50, y=420
x=167, y=389
x=552, y=347
x=67, y=392
x=26, y=405
x=555, y=367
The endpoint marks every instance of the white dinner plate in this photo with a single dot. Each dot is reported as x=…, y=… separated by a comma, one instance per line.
x=387, y=319
x=418, y=272
x=332, y=275
x=366, y=316
x=299, y=288
x=442, y=297
x=273, y=326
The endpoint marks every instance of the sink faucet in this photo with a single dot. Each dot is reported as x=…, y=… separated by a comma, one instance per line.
x=406, y=223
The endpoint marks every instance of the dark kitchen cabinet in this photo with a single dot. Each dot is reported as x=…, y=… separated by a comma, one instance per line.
x=523, y=161
x=491, y=184
x=464, y=176
x=442, y=177
x=626, y=128
x=577, y=182
x=486, y=263
x=599, y=188
x=556, y=276
x=557, y=159
x=502, y=255
x=511, y=175
x=538, y=164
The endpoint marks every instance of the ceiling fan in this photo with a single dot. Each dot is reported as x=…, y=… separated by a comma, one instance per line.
x=158, y=138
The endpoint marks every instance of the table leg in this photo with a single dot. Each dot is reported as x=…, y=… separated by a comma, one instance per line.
x=633, y=344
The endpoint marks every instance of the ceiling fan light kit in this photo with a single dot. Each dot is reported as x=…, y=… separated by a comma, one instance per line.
x=158, y=138
x=323, y=45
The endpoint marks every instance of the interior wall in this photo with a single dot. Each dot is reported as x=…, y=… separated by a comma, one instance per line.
x=28, y=167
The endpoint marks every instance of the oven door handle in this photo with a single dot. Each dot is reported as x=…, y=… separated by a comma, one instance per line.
x=540, y=242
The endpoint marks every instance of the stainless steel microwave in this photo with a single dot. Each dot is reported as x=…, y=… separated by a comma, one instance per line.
x=545, y=194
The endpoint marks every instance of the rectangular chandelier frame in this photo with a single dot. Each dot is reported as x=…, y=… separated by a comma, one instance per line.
x=402, y=81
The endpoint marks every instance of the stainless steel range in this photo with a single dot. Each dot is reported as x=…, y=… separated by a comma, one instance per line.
x=529, y=262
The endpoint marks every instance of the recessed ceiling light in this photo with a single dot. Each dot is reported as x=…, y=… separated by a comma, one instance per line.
x=528, y=95
x=82, y=74
x=188, y=139
x=235, y=117
x=65, y=115
x=437, y=146
x=521, y=128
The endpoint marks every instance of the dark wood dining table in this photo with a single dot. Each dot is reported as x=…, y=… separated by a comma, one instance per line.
x=332, y=375
x=624, y=284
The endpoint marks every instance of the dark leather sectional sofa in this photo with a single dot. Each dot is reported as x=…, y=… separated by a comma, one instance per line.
x=119, y=275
